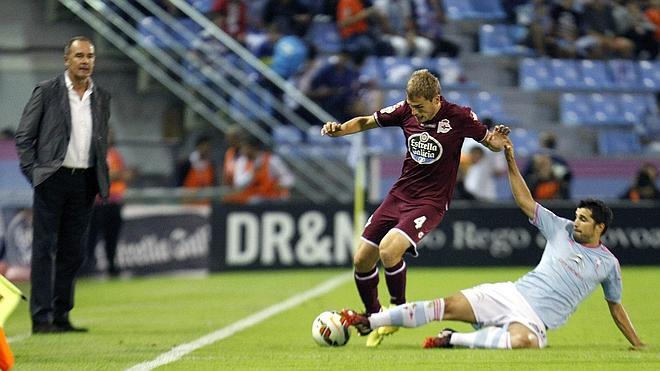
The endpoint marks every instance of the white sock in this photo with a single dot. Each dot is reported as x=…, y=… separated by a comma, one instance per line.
x=488, y=337
x=410, y=314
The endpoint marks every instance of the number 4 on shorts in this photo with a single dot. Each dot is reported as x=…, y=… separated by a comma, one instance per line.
x=419, y=222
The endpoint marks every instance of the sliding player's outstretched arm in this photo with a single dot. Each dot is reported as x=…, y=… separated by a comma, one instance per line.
x=519, y=188
x=620, y=317
x=352, y=126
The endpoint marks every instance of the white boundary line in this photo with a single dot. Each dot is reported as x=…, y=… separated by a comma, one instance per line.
x=179, y=351
x=17, y=338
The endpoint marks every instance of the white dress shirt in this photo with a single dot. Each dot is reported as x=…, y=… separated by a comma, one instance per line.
x=77, y=153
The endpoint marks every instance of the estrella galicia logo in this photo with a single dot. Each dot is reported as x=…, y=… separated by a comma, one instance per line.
x=424, y=149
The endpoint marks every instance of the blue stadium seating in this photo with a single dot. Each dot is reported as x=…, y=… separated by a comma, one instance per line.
x=607, y=109
x=461, y=98
x=393, y=96
x=618, y=143
x=488, y=9
x=324, y=36
x=386, y=141
x=489, y=105
x=474, y=9
x=650, y=74
x=204, y=6
x=287, y=135
x=525, y=141
x=574, y=109
x=501, y=39
x=534, y=74
x=565, y=74
x=624, y=74
x=594, y=74
x=153, y=33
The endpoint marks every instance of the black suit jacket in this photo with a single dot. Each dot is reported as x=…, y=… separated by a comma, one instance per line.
x=44, y=132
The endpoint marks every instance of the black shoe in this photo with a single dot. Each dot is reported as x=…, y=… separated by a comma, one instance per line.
x=68, y=327
x=43, y=328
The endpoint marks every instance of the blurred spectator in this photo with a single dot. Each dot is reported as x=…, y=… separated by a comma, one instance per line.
x=198, y=171
x=291, y=16
x=356, y=32
x=599, y=27
x=557, y=184
x=536, y=16
x=634, y=25
x=106, y=217
x=231, y=17
x=400, y=29
x=565, y=31
x=233, y=139
x=258, y=175
x=653, y=14
x=430, y=18
x=644, y=186
x=7, y=134
x=542, y=181
x=482, y=171
x=335, y=85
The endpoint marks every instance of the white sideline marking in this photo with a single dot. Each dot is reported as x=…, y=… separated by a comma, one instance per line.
x=179, y=351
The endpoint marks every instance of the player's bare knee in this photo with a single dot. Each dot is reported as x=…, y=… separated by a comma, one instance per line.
x=389, y=256
x=523, y=340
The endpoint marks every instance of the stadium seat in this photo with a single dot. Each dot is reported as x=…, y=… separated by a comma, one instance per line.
x=574, y=109
x=650, y=75
x=624, y=74
x=397, y=70
x=605, y=109
x=565, y=74
x=460, y=98
x=450, y=73
x=594, y=74
x=204, y=6
x=618, y=143
x=371, y=69
x=287, y=135
x=393, y=96
x=459, y=9
x=525, y=141
x=385, y=141
x=150, y=31
x=487, y=9
x=634, y=108
x=501, y=39
x=535, y=74
x=324, y=36
x=489, y=105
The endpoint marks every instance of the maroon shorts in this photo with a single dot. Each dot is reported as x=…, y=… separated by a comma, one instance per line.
x=414, y=221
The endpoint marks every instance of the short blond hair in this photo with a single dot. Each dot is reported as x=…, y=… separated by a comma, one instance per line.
x=423, y=84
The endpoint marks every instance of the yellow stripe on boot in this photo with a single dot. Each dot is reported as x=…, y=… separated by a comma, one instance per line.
x=376, y=336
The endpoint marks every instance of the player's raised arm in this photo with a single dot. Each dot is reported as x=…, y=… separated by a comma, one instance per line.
x=620, y=317
x=496, y=138
x=352, y=126
x=519, y=188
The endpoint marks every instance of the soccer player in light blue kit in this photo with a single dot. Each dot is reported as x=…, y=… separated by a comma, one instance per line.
x=516, y=314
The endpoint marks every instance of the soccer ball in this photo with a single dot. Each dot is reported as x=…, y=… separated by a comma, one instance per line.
x=328, y=329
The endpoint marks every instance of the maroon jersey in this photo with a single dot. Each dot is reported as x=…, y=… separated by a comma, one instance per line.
x=429, y=171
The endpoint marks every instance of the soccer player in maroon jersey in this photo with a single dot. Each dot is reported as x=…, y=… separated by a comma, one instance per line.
x=434, y=131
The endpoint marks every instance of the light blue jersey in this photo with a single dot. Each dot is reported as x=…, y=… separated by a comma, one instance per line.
x=568, y=271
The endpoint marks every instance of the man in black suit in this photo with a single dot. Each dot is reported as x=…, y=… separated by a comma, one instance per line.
x=62, y=143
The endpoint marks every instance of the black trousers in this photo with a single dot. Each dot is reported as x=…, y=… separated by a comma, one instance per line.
x=106, y=223
x=62, y=208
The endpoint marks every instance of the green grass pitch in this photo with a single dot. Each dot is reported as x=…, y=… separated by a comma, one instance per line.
x=134, y=321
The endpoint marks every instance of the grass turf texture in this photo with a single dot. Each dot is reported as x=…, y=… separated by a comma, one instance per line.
x=133, y=321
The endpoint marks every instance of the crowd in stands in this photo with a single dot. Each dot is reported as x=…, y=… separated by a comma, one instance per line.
x=294, y=37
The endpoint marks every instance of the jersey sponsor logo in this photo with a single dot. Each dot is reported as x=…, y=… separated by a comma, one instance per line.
x=443, y=126
x=424, y=149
